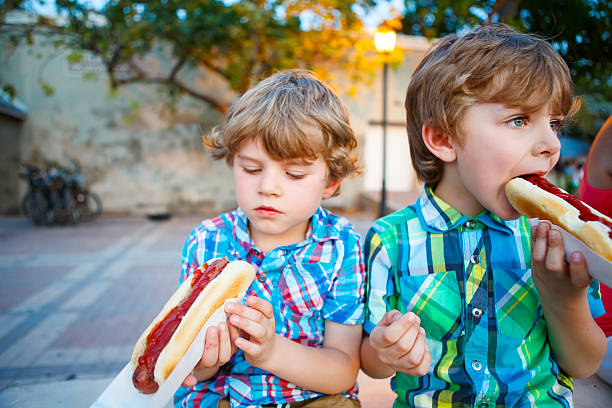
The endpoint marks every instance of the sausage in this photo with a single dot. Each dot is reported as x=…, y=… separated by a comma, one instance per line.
x=167, y=338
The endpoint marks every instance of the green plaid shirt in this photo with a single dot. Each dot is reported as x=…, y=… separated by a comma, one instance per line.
x=469, y=280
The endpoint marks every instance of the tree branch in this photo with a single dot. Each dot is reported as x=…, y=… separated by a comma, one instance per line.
x=213, y=102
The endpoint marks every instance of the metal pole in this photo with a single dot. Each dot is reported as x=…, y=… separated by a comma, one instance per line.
x=383, y=190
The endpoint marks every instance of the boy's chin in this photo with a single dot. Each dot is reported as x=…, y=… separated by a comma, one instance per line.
x=505, y=210
x=508, y=214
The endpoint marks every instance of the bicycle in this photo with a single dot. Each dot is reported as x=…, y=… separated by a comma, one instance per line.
x=88, y=203
x=58, y=195
x=35, y=202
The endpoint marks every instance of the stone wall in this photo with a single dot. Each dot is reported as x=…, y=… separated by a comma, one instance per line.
x=137, y=153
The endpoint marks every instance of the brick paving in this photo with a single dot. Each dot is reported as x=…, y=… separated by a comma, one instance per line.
x=71, y=298
x=74, y=299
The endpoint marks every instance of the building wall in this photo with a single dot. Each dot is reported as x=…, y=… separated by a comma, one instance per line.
x=138, y=154
x=10, y=137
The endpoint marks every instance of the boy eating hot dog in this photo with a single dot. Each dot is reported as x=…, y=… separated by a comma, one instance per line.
x=464, y=304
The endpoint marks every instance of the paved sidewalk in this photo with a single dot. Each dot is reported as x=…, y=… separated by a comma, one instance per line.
x=73, y=301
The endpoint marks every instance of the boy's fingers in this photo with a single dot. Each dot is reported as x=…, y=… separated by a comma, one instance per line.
x=579, y=273
x=416, y=359
x=225, y=345
x=384, y=336
x=249, y=327
x=404, y=345
x=555, y=254
x=189, y=381
x=423, y=367
x=390, y=317
x=256, y=310
x=248, y=347
x=539, y=242
x=262, y=305
x=211, y=348
x=234, y=333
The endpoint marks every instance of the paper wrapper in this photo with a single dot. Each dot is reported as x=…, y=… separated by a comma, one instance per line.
x=599, y=267
x=121, y=392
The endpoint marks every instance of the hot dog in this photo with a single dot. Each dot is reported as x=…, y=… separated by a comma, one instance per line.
x=536, y=197
x=167, y=338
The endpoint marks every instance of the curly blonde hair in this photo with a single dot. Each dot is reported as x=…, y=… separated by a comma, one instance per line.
x=294, y=115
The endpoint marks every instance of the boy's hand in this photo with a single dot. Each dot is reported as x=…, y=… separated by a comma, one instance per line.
x=553, y=276
x=399, y=342
x=256, y=322
x=218, y=350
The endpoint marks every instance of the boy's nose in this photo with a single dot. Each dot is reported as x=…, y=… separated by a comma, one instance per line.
x=268, y=184
x=548, y=143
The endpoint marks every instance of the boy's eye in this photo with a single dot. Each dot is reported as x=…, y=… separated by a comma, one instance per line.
x=295, y=176
x=555, y=125
x=519, y=121
x=251, y=170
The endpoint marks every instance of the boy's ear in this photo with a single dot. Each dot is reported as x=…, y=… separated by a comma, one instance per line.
x=331, y=188
x=438, y=144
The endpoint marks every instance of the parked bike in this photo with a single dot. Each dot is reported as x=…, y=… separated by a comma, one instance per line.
x=88, y=203
x=35, y=202
x=58, y=195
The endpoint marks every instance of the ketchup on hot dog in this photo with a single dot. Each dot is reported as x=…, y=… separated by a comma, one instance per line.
x=159, y=337
x=585, y=212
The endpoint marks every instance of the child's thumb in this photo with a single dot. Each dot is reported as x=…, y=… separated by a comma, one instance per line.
x=391, y=316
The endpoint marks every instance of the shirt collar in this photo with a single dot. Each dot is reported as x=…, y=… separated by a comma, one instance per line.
x=321, y=228
x=438, y=216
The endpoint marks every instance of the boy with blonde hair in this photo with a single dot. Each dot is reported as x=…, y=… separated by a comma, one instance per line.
x=464, y=304
x=296, y=337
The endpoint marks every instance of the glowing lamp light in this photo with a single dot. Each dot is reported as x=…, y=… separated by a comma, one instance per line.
x=384, y=40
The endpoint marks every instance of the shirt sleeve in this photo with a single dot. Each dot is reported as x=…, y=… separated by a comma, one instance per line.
x=189, y=261
x=344, y=303
x=380, y=296
x=594, y=299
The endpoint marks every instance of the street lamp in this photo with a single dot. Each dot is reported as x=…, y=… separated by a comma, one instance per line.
x=384, y=41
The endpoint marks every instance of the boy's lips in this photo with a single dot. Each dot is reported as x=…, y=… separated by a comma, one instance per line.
x=267, y=211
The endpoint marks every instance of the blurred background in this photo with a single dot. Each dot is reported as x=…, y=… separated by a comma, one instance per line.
x=119, y=93
x=102, y=108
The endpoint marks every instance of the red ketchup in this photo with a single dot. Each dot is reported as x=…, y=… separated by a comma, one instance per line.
x=585, y=212
x=143, y=378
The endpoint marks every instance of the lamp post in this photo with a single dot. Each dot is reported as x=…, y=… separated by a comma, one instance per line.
x=384, y=41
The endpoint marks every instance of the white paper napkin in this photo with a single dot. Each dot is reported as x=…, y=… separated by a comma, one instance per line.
x=121, y=392
x=599, y=267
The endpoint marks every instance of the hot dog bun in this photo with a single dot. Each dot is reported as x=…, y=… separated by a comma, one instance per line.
x=562, y=210
x=233, y=280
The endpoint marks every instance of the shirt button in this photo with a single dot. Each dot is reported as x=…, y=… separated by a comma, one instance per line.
x=261, y=278
x=476, y=365
x=476, y=312
x=470, y=224
x=474, y=259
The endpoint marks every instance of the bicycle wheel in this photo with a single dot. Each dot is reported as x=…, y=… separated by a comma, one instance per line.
x=90, y=205
x=95, y=204
x=73, y=215
x=34, y=206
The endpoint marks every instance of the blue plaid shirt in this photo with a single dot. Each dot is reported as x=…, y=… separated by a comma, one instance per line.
x=318, y=279
x=469, y=280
